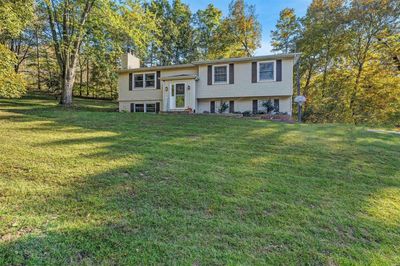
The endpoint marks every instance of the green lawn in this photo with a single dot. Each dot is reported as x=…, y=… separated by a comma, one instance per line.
x=86, y=186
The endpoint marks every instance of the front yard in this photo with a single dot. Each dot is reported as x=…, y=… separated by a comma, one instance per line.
x=89, y=186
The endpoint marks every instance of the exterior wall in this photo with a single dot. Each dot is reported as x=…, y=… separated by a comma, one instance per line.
x=243, y=91
x=126, y=106
x=246, y=104
x=243, y=86
x=152, y=94
x=136, y=94
x=190, y=95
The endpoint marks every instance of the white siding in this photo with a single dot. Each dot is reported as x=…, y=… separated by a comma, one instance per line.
x=245, y=104
x=243, y=87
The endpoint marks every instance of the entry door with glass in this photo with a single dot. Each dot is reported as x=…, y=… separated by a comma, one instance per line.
x=177, y=96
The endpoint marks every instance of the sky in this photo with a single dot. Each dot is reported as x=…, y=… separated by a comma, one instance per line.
x=267, y=11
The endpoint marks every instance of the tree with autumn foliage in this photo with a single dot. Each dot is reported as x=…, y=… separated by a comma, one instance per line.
x=350, y=67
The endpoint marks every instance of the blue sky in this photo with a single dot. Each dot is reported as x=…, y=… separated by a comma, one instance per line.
x=267, y=11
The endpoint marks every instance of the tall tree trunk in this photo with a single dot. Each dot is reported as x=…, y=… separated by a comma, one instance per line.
x=67, y=86
x=87, y=77
x=38, y=61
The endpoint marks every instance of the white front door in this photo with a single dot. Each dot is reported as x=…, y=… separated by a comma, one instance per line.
x=177, y=96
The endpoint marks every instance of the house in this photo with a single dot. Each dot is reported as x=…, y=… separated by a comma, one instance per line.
x=240, y=84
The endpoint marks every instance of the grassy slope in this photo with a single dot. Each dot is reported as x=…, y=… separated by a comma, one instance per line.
x=85, y=187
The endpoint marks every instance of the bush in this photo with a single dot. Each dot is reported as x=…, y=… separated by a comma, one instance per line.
x=246, y=113
x=223, y=107
x=269, y=107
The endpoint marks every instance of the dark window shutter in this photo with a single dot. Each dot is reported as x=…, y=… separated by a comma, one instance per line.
x=231, y=106
x=132, y=107
x=212, y=107
x=158, y=86
x=231, y=73
x=209, y=75
x=278, y=70
x=157, y=107
x=130, y=81
x=276, y=105
x=254, y=72
x=255, y=106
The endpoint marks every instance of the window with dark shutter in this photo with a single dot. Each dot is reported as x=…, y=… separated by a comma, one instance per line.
x=139, y=108
x=130, y=81
x=132, y=107
x=255, y=106
x=266, y=71
x=212, y=107
x=221, y=74
x=138, y=82
x=231, y=106
x=254, y=72
x=209, y=75
x=157, y=107
x=278, y=70
x=231, y=73
x=150, y=80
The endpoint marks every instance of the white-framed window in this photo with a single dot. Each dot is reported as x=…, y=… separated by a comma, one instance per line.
x=138, y=80
x=220, y=74
x=146, y=107
x=139, y=108
x=150, y=107
x=266, y=71
x=144, y=80
x=150, y=79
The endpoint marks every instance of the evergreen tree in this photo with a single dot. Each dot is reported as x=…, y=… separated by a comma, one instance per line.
x=287, y=31
x=207, y=22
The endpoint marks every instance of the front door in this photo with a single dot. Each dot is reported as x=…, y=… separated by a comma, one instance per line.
x=180, y=95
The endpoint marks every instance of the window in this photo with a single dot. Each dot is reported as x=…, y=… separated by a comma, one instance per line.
x=266, y=71
x=220, y=74
x=150, y=80
x=180, y=96
x=139, y=81
x=145, y=80
x=150, y=108
x=139, y=108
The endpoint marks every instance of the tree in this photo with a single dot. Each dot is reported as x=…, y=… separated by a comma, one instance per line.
x=350, y=64
x=240, y=32
x=14, y=18
x=67, y=20
x=183, y=46
x=207, y=22
x=12, y=85
x=287, y=31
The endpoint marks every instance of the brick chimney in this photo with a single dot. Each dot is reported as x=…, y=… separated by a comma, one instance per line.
x=129, y=60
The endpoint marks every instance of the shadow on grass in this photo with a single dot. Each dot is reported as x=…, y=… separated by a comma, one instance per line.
x=202, y=190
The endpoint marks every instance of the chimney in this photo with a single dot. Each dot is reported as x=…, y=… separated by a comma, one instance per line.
x=129, y=61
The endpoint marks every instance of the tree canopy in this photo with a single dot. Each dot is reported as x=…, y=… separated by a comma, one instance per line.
x=350, y=67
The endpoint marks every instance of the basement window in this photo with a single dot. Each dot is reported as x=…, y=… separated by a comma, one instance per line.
x=139, y=108
x=150, y=108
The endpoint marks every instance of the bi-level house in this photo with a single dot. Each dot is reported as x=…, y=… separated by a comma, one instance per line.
x=203, y=86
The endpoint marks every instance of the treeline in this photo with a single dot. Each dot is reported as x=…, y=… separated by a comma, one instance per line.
x=72, y=47
x=349, y=68
x=350, y=63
